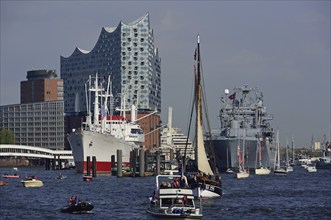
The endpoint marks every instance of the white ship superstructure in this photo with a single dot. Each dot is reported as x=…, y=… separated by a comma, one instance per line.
x=174, y=138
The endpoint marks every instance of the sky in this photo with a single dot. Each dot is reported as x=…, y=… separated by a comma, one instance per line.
x=281, y=47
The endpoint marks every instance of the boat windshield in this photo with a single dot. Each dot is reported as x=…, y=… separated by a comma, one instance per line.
x=167, y=202
x=136, y=131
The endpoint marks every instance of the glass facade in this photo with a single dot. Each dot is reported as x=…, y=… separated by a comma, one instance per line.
x=128, y=54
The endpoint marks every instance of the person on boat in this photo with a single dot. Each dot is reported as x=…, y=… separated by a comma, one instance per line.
x=183, y=183
x=185, y=200
x=176, y=183
x=71, y=200
x=180, y=170
x=164, y=184
x=154, y=198
x=76, y=200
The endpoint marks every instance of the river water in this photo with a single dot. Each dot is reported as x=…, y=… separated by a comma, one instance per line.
x=299, y=195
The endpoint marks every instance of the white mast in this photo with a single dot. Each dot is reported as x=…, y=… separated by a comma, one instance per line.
x=133, y=113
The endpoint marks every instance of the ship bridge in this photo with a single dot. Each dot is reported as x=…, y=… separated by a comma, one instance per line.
x=31, y=152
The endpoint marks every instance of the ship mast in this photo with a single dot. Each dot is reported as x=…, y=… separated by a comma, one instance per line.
x=201, y=157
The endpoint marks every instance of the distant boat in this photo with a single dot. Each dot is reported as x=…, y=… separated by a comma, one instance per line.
x=311, y=168
x=3, y=183
x=87, y=178
x=289, y=168
x=229, y=169
x=10, y=176
x=32, y=181
x=278, y=170
x=13, y=174
x=293, y=154
x=242, y=172
x=261, y=169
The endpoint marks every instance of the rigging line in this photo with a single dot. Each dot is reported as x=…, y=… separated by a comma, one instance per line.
x=190, y=121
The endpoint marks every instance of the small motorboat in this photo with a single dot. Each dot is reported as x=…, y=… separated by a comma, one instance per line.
x=32, y=181
x=87, y=178
x=172, y=201
x=3, y=183
x=311, y=169
x=11, y=176
x=79, y=207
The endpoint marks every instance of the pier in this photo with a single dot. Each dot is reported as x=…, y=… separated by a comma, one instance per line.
x=24, y=155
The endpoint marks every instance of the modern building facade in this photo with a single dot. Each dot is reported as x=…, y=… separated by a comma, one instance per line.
x=39, y=124
x=41, y=86
x=125, y=52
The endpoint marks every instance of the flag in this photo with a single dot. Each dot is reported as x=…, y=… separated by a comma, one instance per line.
x=233, y=96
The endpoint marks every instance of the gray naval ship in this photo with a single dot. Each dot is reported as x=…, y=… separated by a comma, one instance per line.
x=244, y=121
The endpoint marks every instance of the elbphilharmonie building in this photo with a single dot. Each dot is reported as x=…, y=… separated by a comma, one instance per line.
x=125, y=52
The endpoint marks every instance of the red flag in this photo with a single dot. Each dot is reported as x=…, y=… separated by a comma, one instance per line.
x=233, y=96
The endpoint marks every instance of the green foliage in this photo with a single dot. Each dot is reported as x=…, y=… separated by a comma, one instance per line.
x=7, y=137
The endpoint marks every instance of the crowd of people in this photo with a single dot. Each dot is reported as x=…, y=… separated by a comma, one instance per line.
x=178, y=182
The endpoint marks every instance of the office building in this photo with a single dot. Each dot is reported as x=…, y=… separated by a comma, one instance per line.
x=39, y=124
x=41, y=86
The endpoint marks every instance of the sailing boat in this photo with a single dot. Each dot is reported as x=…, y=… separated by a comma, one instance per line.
x=292, y=161
x=208, y=179
x=229, y=170
x=261, y=170
x=278, y=170
x=242, y=172
x=288, y=166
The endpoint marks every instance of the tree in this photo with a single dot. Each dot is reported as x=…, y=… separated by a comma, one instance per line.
x=7, y=137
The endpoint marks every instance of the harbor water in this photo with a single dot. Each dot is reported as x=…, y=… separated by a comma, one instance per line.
x=299, y=195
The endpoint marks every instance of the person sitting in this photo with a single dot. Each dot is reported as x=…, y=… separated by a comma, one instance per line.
x=71, y=200
x=176, y=183
x=164, y=185
x=76, y=200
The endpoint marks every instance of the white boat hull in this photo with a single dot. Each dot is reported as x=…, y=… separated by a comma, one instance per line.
x=32, y=183
x=280, y=171
x=159, y=214
x=262, y=171
x=205, y=194
x=289, y=169
x=311, y=169
x=242, y=175
x=102, y=146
